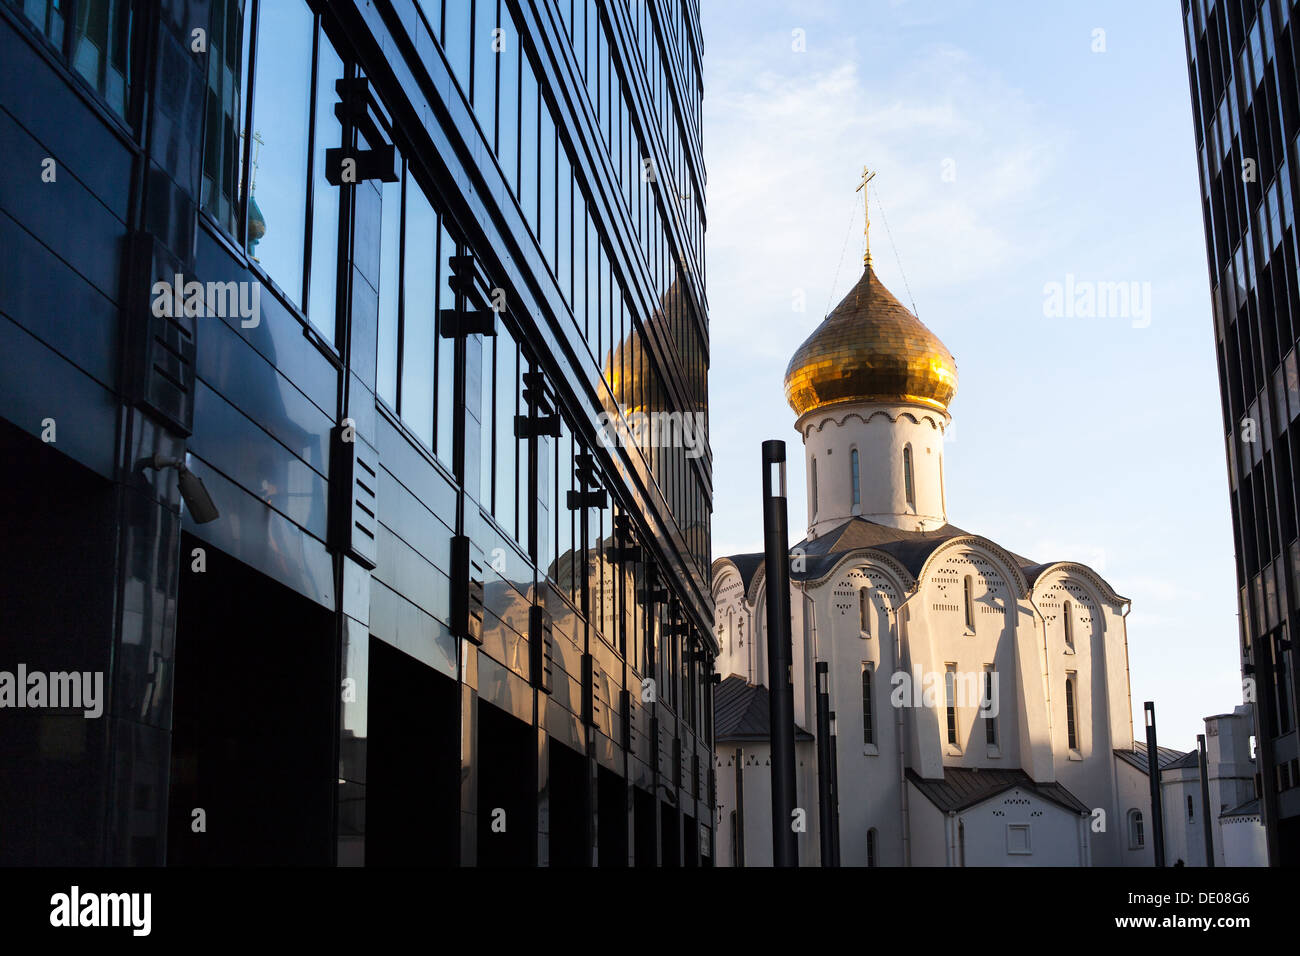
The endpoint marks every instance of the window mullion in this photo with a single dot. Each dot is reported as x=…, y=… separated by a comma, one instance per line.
x=309, y=208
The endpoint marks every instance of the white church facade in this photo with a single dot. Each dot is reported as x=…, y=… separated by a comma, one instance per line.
x=981, y=698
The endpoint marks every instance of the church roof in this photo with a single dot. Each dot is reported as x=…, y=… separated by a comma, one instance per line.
x=963, y=787
x=911, y=549
x=1189, y=760
x=1137, y=757
x=1248, y=809
x=741, y=712
x=747, y=565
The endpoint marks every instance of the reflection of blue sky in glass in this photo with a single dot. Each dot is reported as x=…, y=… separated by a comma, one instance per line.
x=446, y=350
x=507, y=445
x=485, y=65
x=1088, y=439
x=456, y=38
x=485, y=416
x=389, y=273
x=508, y=107
x=325, y=197
x=419, y=280
x=528, y=144
x=546, y=221
x=281, y=111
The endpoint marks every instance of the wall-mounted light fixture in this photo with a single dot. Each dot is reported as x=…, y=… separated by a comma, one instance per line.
x=196, y=497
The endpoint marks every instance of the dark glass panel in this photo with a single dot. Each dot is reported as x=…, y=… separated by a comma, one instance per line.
x=102, y=47
x=281, y=113
x=223, y=143
x=323, y=282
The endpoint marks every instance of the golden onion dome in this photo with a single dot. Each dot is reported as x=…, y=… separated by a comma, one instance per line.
x=871, y=349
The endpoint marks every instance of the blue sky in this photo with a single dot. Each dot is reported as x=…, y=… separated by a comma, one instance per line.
x=1091, y=439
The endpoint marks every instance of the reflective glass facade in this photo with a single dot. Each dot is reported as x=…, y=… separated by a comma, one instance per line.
x=458, y=439
x=1241, y=57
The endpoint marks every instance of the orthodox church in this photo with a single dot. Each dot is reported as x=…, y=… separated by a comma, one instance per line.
x=982, y=714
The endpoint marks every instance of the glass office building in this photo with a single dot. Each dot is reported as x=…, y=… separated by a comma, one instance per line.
x=415, y=291
x=1241, y=57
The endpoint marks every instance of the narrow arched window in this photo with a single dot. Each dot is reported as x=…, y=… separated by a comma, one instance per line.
x=814, y=487
x=864, y=612
x=1191, y=814
x=1136, y=837
x=871, y=847
x=909, y=486
x=1071, y=724
x=950, y=699
x=968, y=595
x=1068, y=614
x=868, y=709
x=857, y=488
x=989, y=708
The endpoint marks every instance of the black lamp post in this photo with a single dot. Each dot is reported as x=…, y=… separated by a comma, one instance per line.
x=780, y=670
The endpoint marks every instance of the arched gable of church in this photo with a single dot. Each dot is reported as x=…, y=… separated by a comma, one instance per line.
x=731, y=619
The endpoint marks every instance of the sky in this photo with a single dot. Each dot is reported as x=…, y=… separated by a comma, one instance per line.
x=1016, y=146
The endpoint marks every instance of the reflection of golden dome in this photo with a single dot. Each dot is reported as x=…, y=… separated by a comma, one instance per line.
x=624, y=370
x=871, y=349
x=632, y=383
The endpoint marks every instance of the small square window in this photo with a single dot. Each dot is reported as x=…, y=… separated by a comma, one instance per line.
x=1018, y=839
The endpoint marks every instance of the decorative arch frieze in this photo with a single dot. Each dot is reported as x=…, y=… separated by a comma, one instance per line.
x=820, y=421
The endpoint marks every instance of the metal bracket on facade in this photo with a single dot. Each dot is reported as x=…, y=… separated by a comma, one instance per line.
x=535, y=426
x=480, y=318
x=584, y=466
x=625, y=708
x=466, y=591
x=652, y=595
x=453, y=324
x=540, y=648
x=357, y=110
x=367, y=164
x=541, y=418
x=627, y=550
x=577, y=500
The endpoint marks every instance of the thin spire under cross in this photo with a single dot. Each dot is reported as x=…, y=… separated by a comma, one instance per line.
x=867, y=176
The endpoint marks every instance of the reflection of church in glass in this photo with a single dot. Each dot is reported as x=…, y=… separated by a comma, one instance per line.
x=981, y=697
x=640, y=395
x=256, y=222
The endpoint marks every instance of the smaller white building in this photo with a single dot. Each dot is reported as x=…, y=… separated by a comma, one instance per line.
x=1236, y=828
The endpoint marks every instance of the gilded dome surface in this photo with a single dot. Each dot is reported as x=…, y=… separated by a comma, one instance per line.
x=871, y=349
